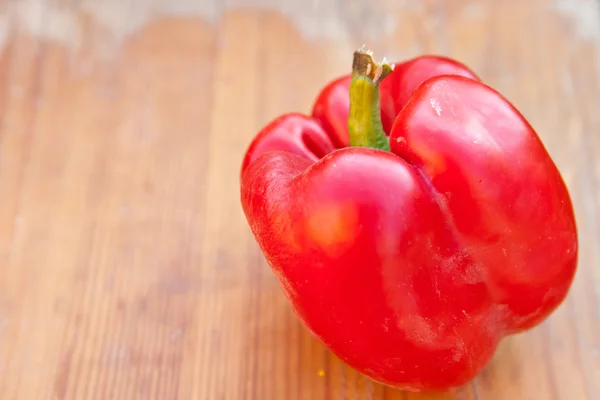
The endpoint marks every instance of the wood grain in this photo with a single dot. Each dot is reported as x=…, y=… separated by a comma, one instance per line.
x=127, y=268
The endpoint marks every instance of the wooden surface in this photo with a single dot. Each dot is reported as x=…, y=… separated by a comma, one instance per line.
x=127, y=268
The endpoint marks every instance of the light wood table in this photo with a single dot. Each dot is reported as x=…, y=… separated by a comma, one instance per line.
x=127, y=269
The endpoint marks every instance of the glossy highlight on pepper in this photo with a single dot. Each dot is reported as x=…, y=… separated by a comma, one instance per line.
x=416, y=235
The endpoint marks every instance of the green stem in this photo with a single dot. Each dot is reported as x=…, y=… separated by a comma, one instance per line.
x=364, y=122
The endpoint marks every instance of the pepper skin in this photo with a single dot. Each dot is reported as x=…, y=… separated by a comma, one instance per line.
x=412, y=264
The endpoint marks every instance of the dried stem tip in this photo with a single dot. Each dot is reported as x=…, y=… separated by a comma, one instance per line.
x=364, y=64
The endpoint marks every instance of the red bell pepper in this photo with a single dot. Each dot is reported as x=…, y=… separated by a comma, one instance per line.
x=411, y=254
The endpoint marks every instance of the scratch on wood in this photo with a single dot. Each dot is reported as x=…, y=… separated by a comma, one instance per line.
x=3, y=30
x=585, y=14
x=62, y=375
x=321, y=20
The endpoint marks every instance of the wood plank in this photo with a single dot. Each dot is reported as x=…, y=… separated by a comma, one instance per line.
x=128, y=269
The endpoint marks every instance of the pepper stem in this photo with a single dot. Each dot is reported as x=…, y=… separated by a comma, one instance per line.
x=364, y=122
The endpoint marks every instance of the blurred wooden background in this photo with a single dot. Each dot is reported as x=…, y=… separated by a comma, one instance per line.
x=127, y=270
